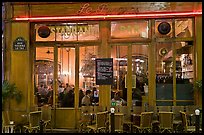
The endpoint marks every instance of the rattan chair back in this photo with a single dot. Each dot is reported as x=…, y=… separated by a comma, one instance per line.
x=146, y=119
x=166, y=120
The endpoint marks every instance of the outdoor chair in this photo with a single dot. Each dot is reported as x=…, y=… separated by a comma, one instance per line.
x=164, y=108
x=98, y=109
x=119, y=121
x=100, y=125
x=166, y=122
x=145, y=125
x=6, y=126
x=127, y=117
x=46, y=116
x=190, y=110
x=34, y=122
x=187, y=128
x=137, y=109
x=87, y=109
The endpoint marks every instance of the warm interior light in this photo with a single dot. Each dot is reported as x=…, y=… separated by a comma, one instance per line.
x=104, y=17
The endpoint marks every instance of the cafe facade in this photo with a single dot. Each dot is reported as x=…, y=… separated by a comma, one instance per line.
x=150, y=48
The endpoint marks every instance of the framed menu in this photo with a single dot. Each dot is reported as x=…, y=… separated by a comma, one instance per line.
x=104, y=71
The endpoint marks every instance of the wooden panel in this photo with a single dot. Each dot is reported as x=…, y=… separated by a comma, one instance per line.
x=96, y=8
x=65, y=118
x=20, y=10
x=20, y=65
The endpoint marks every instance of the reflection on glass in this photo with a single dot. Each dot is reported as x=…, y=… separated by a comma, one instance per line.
x=69, y=32
x=129, y=29
x=183, y=27
x=87, y=67
x=140, y=70
x=184, y=72
x=44, y=70
x=119, y=55
x=66, y=77
x=164, y=73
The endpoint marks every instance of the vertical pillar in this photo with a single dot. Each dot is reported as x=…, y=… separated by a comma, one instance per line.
x=55, y=80
x=151, y=68
x=174, y=65
x=198, y=56
x=129, y=77
x=76, y=88
x=104, y=52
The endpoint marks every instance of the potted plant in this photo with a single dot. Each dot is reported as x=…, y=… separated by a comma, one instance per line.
x=198, y=85
x=198, y=88
x=10, y=91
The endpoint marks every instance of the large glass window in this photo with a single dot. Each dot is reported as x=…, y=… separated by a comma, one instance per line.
x=44, y=70
x=66, y=76
x=129, y=29
x=184, y=73
x=67, y=32
x=183, y=27
x=87, y=72
x=164, y=74
x=140, y=70
x=119, y=55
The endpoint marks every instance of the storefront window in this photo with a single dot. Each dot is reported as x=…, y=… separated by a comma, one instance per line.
x=164, y=74
x=184, y=73
x=87, y=72
x=119, y=55
x=129, y=29
x=44, y=70
x=67, y=32
x=66, y=77
x=140, y=70
x=183, y=27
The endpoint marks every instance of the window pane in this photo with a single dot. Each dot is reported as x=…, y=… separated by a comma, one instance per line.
x=44, y=70
x=140, y=70
x=164, y=73
x=129, y=29
x=87, y=70
x=66, y=77
x=185, y=73
x=183, y=27
x=119, y=55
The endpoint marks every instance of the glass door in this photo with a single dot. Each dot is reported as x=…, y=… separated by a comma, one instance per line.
x=66, y=77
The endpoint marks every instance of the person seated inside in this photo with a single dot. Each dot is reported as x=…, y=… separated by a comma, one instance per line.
x=118, y=100
x=86, y=100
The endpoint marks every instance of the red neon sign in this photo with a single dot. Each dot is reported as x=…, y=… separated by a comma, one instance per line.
x=106, y=17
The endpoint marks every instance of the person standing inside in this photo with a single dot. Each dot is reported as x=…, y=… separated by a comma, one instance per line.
x=81, y=95
x=86, y=100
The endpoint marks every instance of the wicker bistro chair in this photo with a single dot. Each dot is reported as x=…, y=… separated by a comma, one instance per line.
x=46, y=116
x=100, y=125
x=145, y=124
x=127, y=118
x=84, y=122
x=166, y=122
x=6, y=126
x=34, y=121
x=185, y=124
x=119, y=122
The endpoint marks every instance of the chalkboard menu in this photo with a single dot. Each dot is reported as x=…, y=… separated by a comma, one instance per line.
x=104, y=71
x=19, y=44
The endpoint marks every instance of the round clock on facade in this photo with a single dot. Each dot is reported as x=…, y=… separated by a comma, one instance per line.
x=44, y=32
x=164, y=28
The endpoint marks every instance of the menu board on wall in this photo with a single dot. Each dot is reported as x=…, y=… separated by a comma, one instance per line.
x=104, y=71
